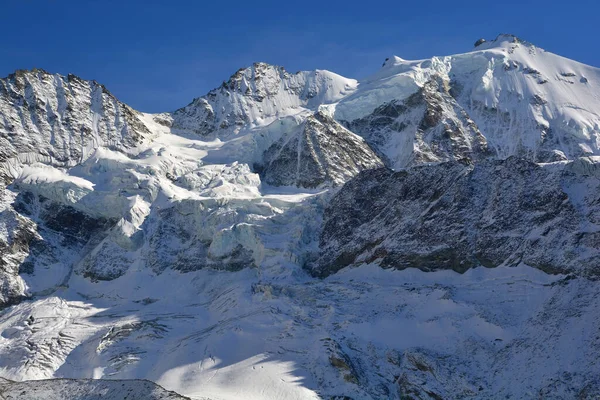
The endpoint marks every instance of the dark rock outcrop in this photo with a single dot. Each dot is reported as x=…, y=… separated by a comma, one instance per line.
x=480, y=42
x=458, y=216
x=320, y=153
x=88, y=389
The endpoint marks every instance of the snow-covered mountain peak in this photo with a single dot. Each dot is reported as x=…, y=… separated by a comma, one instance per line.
x=503, y=40
x=245, y=79
x=525, y=101
x=392, y=61
x=258, y=95
x=61, y=120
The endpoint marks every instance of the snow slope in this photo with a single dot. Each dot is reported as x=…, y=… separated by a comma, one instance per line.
x=524, y=100
x=181, y=247
x=364, y=333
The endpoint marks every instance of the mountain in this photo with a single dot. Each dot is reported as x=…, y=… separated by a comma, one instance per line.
x=321, y=152
x=61, y=120
x=506, y=97
x=430, y=232
x=258, y=95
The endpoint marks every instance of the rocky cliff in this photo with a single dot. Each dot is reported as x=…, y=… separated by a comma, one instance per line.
x=461, y=215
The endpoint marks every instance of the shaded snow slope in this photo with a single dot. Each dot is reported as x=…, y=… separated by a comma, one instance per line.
x=364, y=333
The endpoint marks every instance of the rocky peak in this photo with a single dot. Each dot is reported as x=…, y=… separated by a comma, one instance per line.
x=321, y=152
x=257, y=81
x=258, y=95
x=61, y=120
x=428, y=126
x=480, y=42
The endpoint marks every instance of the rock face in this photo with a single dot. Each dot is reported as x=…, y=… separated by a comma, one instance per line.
x=42, y=236
x=523, y=100
x=428, y=126
x=321, y=152
x=457, y=216
x=60, y=120
x=88, y=389
x=18, y=232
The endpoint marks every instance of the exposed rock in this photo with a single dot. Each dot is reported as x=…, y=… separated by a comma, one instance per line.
x=320, y=153
x=457, y=216
x=487, y=102
x=429, y=126
x=259, y=93
x=426, y=375
x=60, y=120
x=88, y=389
x=204, y=255
x=18, y=233
x=339, y=360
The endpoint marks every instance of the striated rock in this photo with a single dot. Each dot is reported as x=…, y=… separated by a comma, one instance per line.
x=429, y=126
x=320, y=153
x=258, y=94
x=458, y=216
x=17, y=234
x=60, y=120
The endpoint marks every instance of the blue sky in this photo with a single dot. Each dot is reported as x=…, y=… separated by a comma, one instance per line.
x=159, y=55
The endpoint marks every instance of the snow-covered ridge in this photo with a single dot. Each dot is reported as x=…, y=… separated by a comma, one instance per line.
x=73, y=389
x=524, y=100
x=258, y=95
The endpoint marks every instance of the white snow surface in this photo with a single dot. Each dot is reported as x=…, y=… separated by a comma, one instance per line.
x=223, y=335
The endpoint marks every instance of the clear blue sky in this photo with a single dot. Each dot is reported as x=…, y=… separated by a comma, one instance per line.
x=158, y=55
